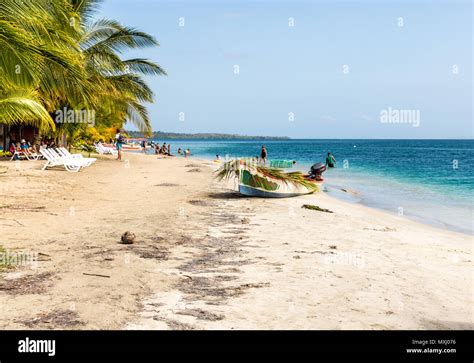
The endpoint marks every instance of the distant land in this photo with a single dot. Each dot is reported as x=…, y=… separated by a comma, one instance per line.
x=202, y=136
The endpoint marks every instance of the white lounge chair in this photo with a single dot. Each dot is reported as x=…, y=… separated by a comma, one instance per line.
x=53, y=159
x=25, y=153
x=20, y=154
x=101, y=149
x=62, y=151
x=82, y=162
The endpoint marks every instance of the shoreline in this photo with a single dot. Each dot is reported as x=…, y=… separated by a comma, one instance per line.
x=207, y=258
x=337, y=192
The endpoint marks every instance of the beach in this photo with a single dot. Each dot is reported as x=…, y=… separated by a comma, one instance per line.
x=207, y=258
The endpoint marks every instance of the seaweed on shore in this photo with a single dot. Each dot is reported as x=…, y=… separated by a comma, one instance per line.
x=58, y=318
x=201, y=314
x=315, y=207
x=167, y=185
x=30, y=284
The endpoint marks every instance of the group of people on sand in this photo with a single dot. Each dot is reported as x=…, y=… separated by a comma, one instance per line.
x=28, y=149
x=164, y=149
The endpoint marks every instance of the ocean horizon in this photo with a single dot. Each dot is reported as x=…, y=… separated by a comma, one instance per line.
x=429, y=180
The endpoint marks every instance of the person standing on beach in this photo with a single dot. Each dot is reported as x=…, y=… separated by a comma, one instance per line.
x=143, y=145
x=330, y=160
x=263, y=154
x=119, y=139
x=169, y=149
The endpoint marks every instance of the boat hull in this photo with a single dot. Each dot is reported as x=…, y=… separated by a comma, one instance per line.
x=257, y=192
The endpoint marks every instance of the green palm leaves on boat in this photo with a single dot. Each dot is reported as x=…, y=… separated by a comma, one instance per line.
x=253, y=180
x=233, y=168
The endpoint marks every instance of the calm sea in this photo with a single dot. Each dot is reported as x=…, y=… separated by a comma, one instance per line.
x=428, y=180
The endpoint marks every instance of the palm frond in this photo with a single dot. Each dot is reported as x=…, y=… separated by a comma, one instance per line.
x=22, y=107
x=231, y=169
x=144, y=66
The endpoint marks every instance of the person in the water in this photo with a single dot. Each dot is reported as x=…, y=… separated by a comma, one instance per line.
x=263, y=154
x=330, y=160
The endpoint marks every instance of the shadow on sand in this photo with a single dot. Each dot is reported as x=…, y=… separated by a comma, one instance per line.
x=226, y=195
x=448, y=325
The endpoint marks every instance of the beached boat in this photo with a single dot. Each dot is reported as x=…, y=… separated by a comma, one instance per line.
x=131, y=147
x=127, y=146
x=254, y=184
x=256, y=180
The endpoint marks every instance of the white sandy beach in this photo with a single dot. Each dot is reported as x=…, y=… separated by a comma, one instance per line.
x=206, y=258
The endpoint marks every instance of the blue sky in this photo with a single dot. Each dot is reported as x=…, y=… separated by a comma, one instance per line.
x=334, y=71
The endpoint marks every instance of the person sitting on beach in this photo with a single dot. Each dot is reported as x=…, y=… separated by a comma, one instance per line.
x=164, y=149
x=51, y=144
x=157, y=148
x=12, y=147
x=330, y=160
x=263, y=154
x=187, y=152
x=180, y=151
x=15, y=147
x=24, y=146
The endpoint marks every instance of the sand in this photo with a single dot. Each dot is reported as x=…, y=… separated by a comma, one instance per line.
x=207, y=258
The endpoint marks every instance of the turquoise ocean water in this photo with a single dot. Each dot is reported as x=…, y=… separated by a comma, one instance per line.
x=428, y=180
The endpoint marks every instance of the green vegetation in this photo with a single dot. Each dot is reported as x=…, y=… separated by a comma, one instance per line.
x=202, y=136
x=257, y=181
x=54, y=57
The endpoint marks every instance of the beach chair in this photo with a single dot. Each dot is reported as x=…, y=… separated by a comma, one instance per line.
x=62, y=151
x=79, y=161
x=98, y=149
x=32, y=155
x=110, y=150
x=53, y=159
x=26, y=154
x=107, y=149
x=20, y=154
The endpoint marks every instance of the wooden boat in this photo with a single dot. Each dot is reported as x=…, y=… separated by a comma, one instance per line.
x=131, y=147
x=254, y=184
x=256, y=180
x=127, y=146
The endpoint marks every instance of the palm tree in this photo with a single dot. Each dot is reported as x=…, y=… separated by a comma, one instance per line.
x=54, y=56
x=28, y=48
x=123, y=88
